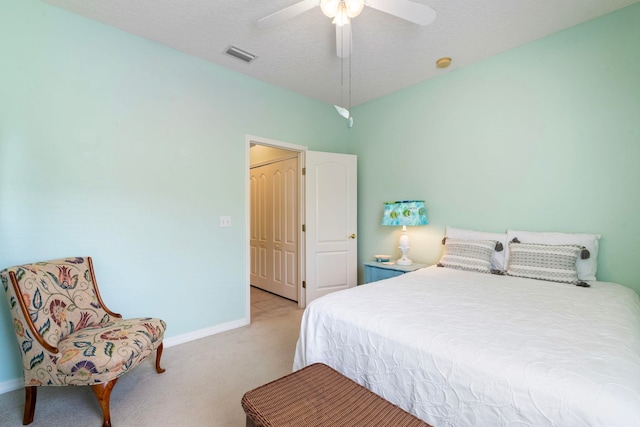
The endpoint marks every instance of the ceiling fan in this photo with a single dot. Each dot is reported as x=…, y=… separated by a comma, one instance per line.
x=343, y=10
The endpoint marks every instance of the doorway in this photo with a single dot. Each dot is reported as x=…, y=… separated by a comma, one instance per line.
x=326, y=220
x=274, y=216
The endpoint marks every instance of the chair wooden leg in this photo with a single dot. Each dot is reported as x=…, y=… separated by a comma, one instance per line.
x=30, y=395
x=158, y=356
x=103, y=394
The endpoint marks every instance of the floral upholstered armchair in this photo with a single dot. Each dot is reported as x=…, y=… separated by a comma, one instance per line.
x=67, y=336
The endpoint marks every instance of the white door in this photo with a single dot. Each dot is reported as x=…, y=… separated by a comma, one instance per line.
x=274, y=227
x=258, y=184
x=331, y=222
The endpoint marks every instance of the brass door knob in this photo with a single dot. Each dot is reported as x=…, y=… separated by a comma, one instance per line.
x=353, y=236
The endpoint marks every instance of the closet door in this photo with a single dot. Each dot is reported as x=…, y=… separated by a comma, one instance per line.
x=283, y=230
x=258, y=226
x=274, y=228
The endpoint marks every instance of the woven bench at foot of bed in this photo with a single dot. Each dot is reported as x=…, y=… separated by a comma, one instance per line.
x=322, y=397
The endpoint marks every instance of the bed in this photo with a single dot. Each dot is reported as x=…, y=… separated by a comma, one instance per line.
x=461, y=348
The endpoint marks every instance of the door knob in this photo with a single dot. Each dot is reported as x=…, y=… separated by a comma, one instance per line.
x=353, y=236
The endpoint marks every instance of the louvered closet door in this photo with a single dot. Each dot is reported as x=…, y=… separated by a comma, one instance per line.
x=274, y=228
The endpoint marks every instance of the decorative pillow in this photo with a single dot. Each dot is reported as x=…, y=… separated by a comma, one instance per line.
x=586, y=267
x=555, y=263
x=473, y=255
x=498, y=257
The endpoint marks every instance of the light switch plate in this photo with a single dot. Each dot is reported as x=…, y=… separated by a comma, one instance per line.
x=225, y=221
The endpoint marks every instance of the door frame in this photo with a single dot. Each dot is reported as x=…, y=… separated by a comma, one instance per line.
x=301, y=150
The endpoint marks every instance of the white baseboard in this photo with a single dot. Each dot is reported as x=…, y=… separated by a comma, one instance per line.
x=15, y=384
x=11, y=385
x=203, y=333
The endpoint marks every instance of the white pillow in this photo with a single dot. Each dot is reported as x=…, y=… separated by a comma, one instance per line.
x=498, y=258
x=472, y=255
x=555, y=263
x=586, y=267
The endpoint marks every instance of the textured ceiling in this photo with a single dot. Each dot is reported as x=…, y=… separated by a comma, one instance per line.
x=388, y=53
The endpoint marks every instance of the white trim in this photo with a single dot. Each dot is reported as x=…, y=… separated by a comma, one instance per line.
x=301, y=149
x=11, y=385
x=18, y=383
x=247, y=225
x=203, y=333
x=273, y=143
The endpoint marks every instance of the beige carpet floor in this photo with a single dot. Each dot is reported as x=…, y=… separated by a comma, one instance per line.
x=203, y=384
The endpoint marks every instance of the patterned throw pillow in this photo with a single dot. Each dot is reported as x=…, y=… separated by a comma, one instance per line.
x=556, y=263
x=472, y=255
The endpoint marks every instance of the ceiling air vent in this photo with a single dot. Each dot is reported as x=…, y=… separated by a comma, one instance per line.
x=240, y=54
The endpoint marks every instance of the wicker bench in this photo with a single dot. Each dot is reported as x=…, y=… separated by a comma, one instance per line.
x=320, y=396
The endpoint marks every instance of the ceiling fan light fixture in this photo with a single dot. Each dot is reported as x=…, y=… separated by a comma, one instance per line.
x=329, y=7
x=354, y=7
x=346, y=8
x=342, y=17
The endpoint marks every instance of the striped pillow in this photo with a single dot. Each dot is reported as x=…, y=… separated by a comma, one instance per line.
x=473, y=255
x=556, y=263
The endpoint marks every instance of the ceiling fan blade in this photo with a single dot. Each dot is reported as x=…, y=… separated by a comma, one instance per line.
x=343, y=41
x=287, y=13
x=405, y=9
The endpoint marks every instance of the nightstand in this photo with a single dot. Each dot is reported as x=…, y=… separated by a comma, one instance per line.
x=374, y=271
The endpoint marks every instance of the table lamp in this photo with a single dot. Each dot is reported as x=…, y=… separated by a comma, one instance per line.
x=406, y=212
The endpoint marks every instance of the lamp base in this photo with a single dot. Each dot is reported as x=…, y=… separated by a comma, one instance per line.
x=404, y=247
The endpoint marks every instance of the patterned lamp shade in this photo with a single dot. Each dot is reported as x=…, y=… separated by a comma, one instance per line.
x=403, y=213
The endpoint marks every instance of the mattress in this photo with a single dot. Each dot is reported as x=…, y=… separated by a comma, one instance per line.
x=459, y=348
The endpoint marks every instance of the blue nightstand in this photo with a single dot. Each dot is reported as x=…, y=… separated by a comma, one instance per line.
x=374, y=271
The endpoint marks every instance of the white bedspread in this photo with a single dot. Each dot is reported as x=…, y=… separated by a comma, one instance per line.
x=462, y=349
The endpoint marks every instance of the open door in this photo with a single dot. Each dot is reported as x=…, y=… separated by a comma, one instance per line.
x=331, y=252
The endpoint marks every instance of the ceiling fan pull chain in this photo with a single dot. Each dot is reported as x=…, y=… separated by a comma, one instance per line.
x=350, y=83
x=342, y=70
x=350, y=122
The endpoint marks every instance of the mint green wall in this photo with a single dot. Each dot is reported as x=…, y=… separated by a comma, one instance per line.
x=119, y=148
x=545, y=137
x=122, y=149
